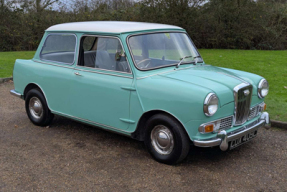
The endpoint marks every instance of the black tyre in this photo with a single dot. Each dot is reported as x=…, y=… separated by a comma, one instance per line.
x=37, y=109
x=166, y=140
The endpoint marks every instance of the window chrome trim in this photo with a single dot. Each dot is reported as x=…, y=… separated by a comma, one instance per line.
x=104, y=36
x=92, y=71
x=79, y=69
x=154, y=32
x=76, y=45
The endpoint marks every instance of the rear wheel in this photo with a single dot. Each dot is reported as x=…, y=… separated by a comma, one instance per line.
x=37, y=108
x=166, y=140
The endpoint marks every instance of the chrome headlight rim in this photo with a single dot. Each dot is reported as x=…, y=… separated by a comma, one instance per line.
x=260, y=88
x=206, y=104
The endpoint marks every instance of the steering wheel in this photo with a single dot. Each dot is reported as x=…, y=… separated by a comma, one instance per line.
x=144, y=63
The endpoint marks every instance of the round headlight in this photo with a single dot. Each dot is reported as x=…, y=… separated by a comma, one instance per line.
x=210, y=104
x=263, y=88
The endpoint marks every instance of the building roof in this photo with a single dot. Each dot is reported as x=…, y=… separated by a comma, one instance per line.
x=109, y=26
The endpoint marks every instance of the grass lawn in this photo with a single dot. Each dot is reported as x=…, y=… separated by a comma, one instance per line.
x=270, y=64
x=7, y=60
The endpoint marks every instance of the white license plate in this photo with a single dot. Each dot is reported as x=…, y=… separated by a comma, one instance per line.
x=239, y=141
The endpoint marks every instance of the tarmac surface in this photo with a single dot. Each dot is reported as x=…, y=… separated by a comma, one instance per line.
x=70, y=156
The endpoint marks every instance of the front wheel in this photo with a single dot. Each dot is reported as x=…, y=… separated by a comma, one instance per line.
x=37, y=108
x=166, y=140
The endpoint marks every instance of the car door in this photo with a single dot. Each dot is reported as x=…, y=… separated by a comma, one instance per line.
x=54, y=74
x=102, y=83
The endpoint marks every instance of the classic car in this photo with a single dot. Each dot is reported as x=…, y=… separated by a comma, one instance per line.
x=143, y=80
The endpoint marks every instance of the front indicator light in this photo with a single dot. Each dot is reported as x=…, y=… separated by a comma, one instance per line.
x=265, y=106
x=206, y=128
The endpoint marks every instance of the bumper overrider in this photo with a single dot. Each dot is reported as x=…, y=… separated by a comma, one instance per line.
x=223, y=138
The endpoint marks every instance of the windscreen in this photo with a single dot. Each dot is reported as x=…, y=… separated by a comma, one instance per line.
x=157, y=50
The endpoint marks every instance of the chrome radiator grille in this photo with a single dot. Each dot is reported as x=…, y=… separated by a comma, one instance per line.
x=242, y=94
x=254, y=111
x=226, y=122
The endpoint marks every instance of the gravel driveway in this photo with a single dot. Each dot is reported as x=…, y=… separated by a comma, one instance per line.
x=69, y=156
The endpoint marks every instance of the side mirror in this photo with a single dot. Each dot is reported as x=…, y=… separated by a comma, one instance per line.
x=119, y=55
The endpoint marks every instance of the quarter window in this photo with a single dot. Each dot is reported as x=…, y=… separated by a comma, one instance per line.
x=59, y=48
x=103, y=53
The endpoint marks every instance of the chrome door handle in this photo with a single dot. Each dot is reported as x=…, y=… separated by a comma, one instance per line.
x=77, y=73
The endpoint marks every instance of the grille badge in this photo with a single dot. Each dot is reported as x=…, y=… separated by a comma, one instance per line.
x=246, y=92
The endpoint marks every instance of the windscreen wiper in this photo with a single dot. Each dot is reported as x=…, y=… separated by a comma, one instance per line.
x=198, y=56
x=181, y=59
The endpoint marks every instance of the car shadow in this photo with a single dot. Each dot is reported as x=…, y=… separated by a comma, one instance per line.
x=82, y=134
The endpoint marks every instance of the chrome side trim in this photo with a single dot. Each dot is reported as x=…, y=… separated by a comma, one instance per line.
x=84, y=35
x=89, y=122
x=52, y=64
x=128, y=88
x=76, y=45
x=103, y=73
x=81, y=69
x=14, y=93
x=103, y=69
x=127, y=120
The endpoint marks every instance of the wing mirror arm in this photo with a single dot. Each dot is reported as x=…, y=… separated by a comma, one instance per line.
x=119, y=55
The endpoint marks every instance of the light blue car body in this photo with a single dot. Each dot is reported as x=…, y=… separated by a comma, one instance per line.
x=121, y=102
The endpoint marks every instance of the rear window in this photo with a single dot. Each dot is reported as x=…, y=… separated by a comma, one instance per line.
x=59, y=48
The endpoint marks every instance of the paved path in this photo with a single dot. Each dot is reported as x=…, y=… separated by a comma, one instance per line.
x=69, y=156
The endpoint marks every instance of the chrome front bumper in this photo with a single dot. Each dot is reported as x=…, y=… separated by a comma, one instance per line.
x=223, y=137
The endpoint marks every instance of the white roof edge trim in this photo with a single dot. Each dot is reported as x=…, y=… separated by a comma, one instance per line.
x=110, y=26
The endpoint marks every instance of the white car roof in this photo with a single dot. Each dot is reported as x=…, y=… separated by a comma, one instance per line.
x=109, y=26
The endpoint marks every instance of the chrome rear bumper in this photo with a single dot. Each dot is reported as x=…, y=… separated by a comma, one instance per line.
x=14, y=93
x=223, y=137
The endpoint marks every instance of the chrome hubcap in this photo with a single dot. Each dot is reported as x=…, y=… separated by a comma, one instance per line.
x=162, y=140
x=35, y=107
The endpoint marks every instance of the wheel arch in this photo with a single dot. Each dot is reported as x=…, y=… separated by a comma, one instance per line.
x=34, y=86
x=139, y=133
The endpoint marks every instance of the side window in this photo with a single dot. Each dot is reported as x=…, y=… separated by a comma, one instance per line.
x=103, y=53
x=138, y=46
x=59, y=48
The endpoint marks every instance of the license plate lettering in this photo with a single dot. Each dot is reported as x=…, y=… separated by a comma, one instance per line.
x=243, y=139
